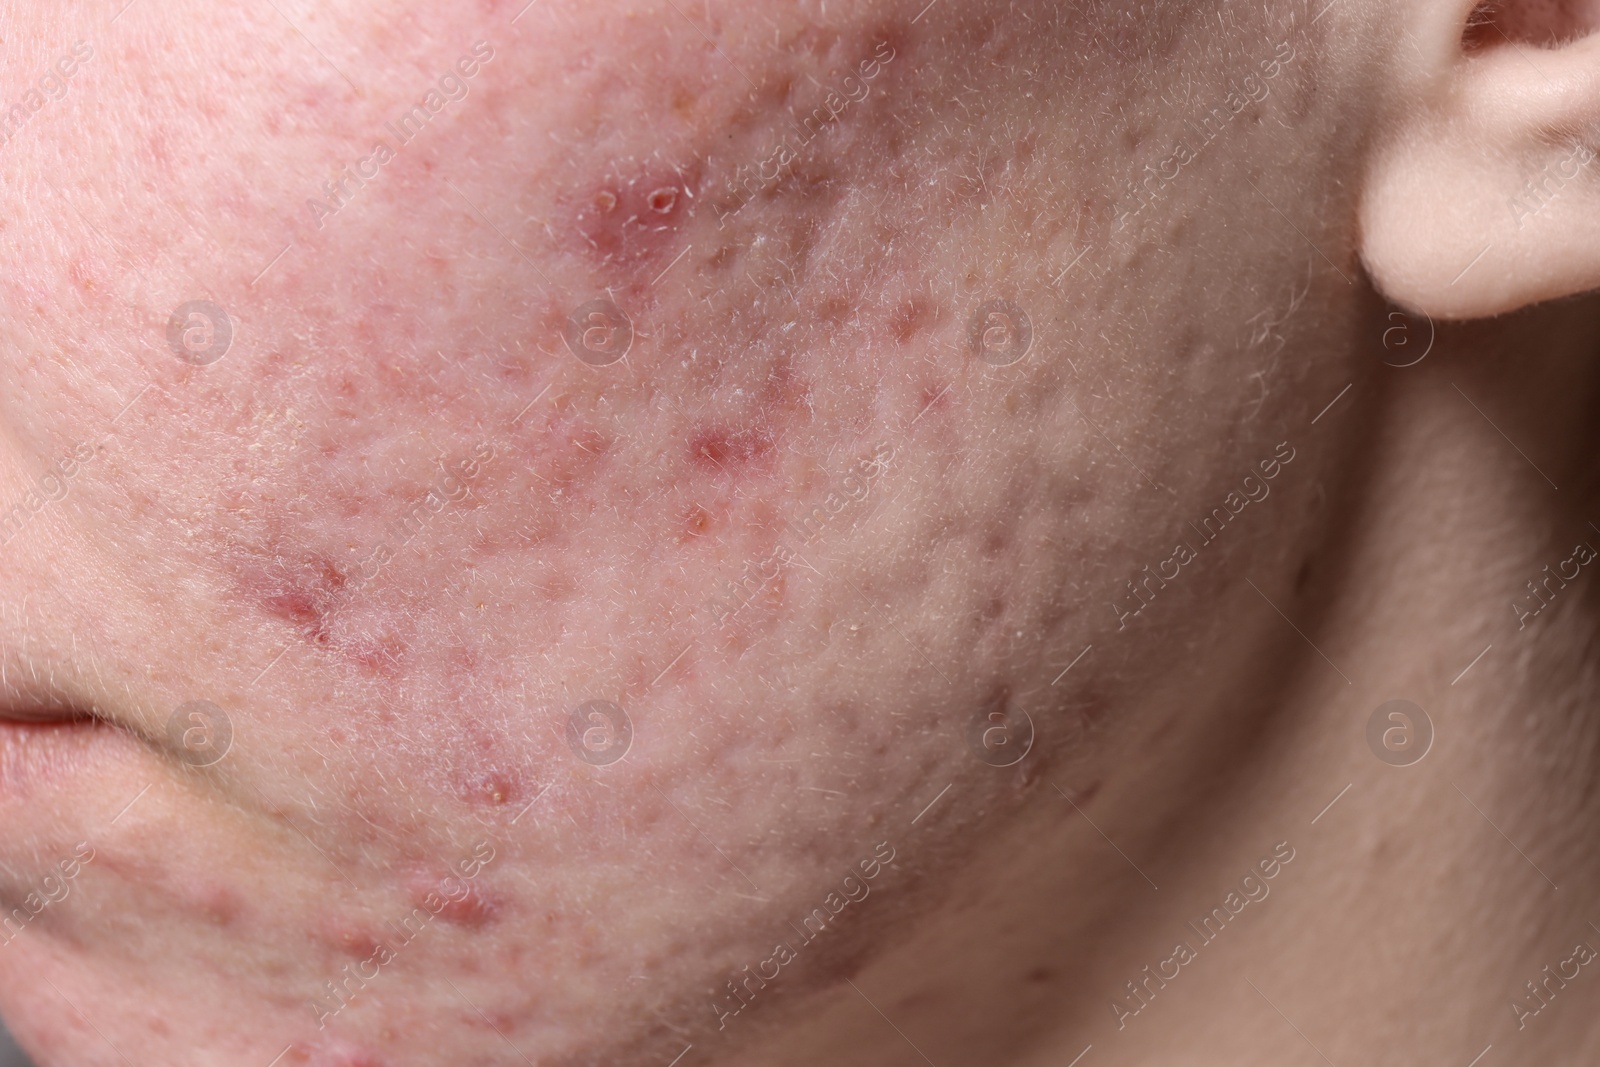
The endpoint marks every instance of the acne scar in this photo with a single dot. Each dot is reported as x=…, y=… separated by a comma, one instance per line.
x=473, y=910
x=349, y=940
x=217, y=903
x=302, y=593
x=570, y=452
x=332, y=1052
x=911, y=317
x=697, y=522
x=934, y=398
x=308, y=596
x=720, y=448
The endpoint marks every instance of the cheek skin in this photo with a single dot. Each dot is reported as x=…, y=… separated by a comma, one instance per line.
x=571, y=568
x=584, y=459
x=402, y=652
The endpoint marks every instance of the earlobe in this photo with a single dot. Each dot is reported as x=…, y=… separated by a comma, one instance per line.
x=1481, y=191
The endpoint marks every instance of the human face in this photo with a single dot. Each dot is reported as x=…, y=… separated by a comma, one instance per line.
x=525, y=508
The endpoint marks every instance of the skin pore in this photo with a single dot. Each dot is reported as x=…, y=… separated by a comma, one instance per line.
x=794, y=533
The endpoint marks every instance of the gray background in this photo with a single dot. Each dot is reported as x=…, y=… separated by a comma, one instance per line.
x=10, y=1055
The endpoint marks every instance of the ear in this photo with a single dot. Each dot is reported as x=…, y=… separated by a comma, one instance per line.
x=1482, y=189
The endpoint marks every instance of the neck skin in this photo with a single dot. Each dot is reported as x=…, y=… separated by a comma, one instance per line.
x=1404, y=908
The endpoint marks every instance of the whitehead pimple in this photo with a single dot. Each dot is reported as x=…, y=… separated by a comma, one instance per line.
x=664, y=200
x=627, y=230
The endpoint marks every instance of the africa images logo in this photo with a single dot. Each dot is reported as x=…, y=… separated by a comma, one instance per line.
x=853, y=889
x=451, y=87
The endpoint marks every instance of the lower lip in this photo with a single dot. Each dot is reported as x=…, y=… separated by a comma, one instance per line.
x=43, y=753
